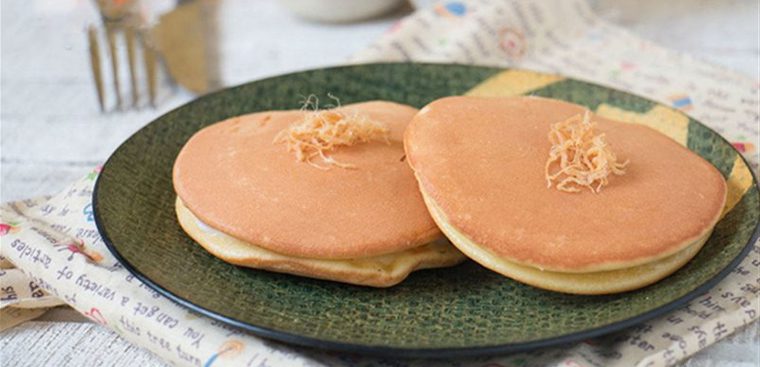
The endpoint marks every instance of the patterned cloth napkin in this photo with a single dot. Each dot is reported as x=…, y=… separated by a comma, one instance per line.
x=52, y=254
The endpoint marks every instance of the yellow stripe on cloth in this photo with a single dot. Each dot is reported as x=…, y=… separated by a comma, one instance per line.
x=738, y=182
x=512, y=83
x=663, y=119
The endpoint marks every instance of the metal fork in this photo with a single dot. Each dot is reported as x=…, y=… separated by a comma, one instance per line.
x=120, y=23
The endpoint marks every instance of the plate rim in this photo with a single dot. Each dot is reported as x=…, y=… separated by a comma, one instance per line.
x=432, y=353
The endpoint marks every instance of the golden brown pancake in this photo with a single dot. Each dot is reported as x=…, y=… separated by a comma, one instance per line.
x=480, y=165
x=232, y=177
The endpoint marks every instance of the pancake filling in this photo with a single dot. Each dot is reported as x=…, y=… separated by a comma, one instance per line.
x=378, y=270
x=579, y=158
x=593, y=282
x=322, y=131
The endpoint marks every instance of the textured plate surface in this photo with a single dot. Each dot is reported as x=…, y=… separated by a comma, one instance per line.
x=464, y=310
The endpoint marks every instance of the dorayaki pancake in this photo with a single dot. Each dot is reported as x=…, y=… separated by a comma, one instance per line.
x=233, y=177
x=480, y=163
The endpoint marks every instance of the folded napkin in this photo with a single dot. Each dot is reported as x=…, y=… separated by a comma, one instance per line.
x=51, y=252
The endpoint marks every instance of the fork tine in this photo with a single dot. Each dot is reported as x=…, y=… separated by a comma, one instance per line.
x=95, y=65
x=149, y=57
x=111, y=37
x=129, y=34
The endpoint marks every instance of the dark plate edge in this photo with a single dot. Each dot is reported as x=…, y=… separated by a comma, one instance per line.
x=437, y=353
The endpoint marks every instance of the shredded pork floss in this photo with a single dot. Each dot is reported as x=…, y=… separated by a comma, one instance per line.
x=322, y=131
x=580, y=158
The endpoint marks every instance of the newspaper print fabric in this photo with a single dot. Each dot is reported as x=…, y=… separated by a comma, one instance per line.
x=51, y=252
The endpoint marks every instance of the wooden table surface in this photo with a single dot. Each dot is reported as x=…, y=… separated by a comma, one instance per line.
x=51, y=131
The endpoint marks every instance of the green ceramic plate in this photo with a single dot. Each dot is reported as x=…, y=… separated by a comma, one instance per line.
x=464, y=310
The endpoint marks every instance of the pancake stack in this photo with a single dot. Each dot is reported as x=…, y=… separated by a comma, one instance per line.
x=249, y=201
x=480, y=164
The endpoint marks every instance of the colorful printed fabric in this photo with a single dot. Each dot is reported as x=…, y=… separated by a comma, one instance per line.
x=51, y=252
